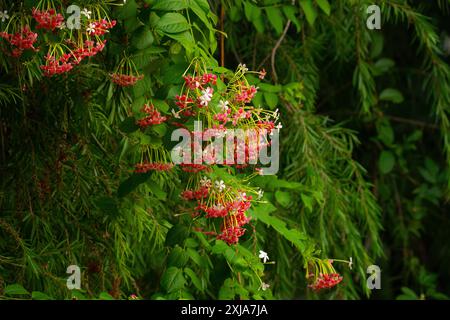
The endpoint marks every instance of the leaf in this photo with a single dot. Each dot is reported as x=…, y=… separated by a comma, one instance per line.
x=169, y=5
x=176, y=235
x=270, y=88
x=299, y=239
x=129, y=125
x=386, y=162
x=185, y=39
x=392, y=95
x=383, y=65
x=271, y=99
x=307, y=201
x=275, y=18
x=172, y=23
x=132, y=183
x=157, y=191
x=107, y=205
x=15, y=289
x=105, y=296
x=195, y=279
x=325, y=6
x=142, y=38
x=290, y=12
x=283, y=198
x=309, y=10
x=177, y=257
x=173, y=280
x=37, y=295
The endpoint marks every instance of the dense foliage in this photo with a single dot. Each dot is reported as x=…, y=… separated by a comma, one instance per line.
x=87, y=113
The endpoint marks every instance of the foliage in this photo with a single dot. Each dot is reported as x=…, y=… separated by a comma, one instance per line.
x=365, y=152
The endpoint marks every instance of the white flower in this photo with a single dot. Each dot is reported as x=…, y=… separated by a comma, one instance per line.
x=279, y=126
x=206, y=96
x=220, y=185
x=260, y=194
x=91, y=28
x=62, y=26
x=263, y=255
x=86, y=13
x=205, y=182
x=350, y=264
x=175, y=114
x=243, y=67
x=242, y=196
x=275, y=114
x=265, y=286
x=223, y=105
x=4, y=15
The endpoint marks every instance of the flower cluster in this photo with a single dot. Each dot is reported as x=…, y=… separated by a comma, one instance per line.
x=22, y=40
x=321, y=274
x=55, y=66
x=152, y=166
x=326, y=281
x=125, y=80
x=218, y=201
x=153, y=117
x=88, y=49
x=47, y=19
x=99, y=28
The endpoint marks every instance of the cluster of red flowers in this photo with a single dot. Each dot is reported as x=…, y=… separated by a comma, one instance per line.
x=153, y=117
x=246, y=94
x=199, y=81
x=194, y=168
x=125, y=80
x=99, y=28
x=47, y=19
x=326, y=281
x=152, y=166
x=185, y=103
x=56, y=66
x=22, y=40
x=198, y=194
x=88, y=49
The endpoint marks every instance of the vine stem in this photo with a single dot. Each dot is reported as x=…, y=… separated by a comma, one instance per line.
x=222, y=36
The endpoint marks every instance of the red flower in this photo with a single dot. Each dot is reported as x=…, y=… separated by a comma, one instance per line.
x=326, y=281
x=125, y=80
x=149, y=166
x=99, y=28
x=47, y=19
x=55, y=66
x=153, y=117
x=88, y=49
x=21, y=40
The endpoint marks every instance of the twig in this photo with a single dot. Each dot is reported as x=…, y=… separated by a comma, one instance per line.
x=274, y=50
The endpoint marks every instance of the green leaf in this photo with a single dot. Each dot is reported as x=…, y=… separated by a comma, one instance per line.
x=299, y=239
x=195, y=279
x=176, y=235
x=283, y=198
x=309, y=10
x=15, y=289
x=383, y=65
x=177, y=257
x=270, y=88
x=392, y=95
x=291, y=13
x=129, y=125
x=271, y=99
x=132, y=183
x=107, y=205
x=185, y=39
x=157, y=191
x=169, y=5
x=172, y=23
x=307, y=202
x=142, y=38
x=105, y=296
x=386, y=162
x=173, y=280
x=325, y=6
x=37, y=295
x=275, y=18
